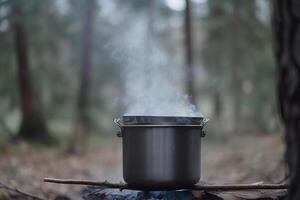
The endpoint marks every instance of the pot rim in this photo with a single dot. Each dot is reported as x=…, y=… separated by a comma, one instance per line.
x=162, y=120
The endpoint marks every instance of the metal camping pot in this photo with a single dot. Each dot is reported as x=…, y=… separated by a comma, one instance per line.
x=161, y=152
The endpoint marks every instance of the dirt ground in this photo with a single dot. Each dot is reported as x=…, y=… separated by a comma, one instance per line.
x=238, y=159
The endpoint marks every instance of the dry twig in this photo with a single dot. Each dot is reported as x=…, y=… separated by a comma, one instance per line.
x=14, y=189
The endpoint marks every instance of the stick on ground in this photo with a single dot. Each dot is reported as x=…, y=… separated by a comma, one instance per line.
x=16, y=190
x=229, y=187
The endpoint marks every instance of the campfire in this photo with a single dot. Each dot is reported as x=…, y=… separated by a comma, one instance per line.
x=161, y=160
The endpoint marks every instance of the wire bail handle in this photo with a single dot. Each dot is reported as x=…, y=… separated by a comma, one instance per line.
x=117, y=121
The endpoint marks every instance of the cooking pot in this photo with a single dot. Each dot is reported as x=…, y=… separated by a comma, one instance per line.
x=161, y=152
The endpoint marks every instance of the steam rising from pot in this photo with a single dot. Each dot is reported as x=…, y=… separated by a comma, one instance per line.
x=151, y=82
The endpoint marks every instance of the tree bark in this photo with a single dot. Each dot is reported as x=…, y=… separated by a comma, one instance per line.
x=235, y=81
x=188, y=43
x=287, y=46
x=82, y=126
x=33, y=126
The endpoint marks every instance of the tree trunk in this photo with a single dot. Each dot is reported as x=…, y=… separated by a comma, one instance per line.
x=150, y=34
x=218, y=104
x=151, y=17
x=82, y=126
x=235, y=81
x=218, y=111
x=33, y=126
x=287, y=44
x=188, y=43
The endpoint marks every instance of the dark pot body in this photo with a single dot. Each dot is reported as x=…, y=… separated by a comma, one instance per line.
x=161, y=156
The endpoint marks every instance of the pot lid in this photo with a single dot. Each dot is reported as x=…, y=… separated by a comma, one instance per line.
x=163, y=120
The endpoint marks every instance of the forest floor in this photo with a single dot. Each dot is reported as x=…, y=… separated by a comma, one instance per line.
x=238, y=159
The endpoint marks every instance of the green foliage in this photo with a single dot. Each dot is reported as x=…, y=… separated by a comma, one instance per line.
x=54, y=57
x=55, y=49
x=243, y=41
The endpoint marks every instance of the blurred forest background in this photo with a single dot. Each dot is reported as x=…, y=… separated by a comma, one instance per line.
x=61, y=83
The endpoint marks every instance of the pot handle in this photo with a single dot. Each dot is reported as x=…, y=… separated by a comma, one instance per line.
x=117, y=121
x=202, y=133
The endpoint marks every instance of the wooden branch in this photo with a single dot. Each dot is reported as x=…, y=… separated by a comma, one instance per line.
x=234, y=187
x=229, y=187
x=86, y=182
x=24, y=194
